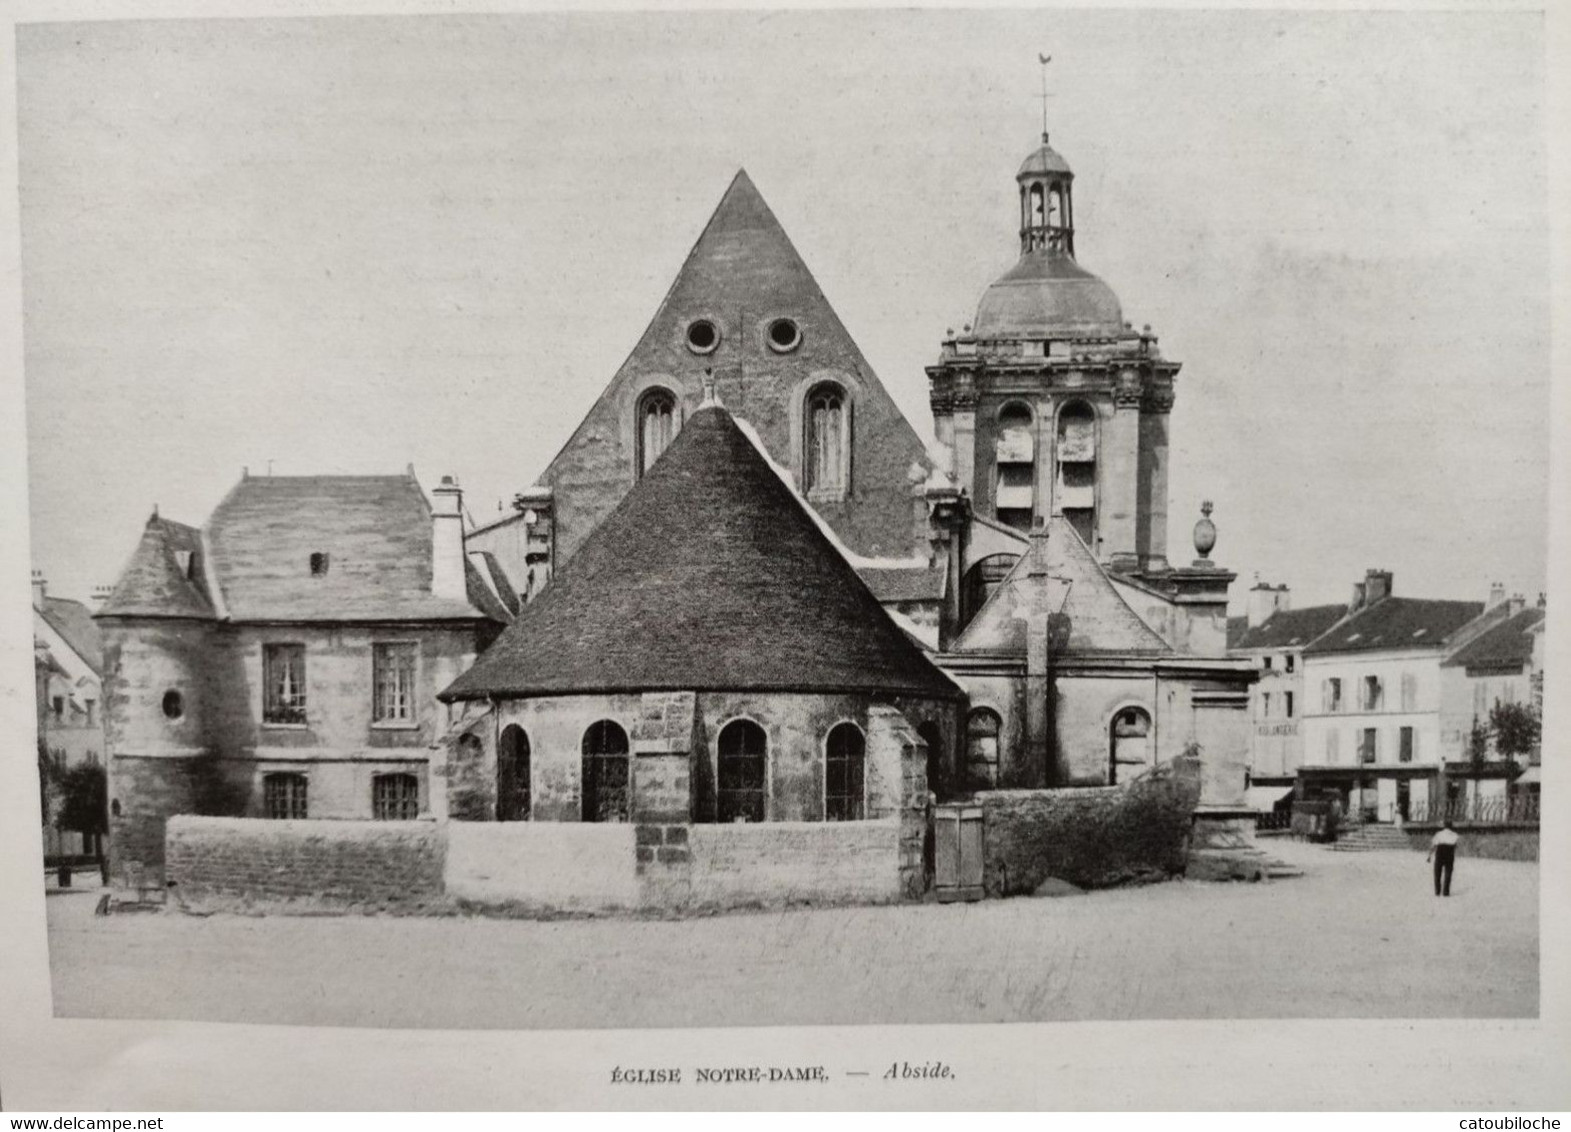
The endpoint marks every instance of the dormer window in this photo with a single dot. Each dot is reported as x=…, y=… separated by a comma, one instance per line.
x=319, y=563
x=186, y=560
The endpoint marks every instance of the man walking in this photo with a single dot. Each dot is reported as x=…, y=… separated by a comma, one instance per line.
x=1442, y=851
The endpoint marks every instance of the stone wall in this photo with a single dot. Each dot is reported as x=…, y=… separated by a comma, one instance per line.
x=1093, y=837
x=143, y=792
x=542, y=866
x=1512, y=842
x=779, y=863
x=220, y=862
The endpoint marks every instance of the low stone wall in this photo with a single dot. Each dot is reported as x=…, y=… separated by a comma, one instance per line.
x=542, y=866
x=370, y=865
x=777, y=863
x=1093, y=837
x=1510, y=842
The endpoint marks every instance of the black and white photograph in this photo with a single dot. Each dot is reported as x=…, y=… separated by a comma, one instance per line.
x=714, y=522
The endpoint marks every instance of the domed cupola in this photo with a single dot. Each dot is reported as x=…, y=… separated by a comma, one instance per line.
x=1047, y=294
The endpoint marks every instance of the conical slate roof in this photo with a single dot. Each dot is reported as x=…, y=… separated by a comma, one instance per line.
x=708, y=575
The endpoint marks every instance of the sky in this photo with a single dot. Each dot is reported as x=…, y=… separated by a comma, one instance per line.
x=358, y=243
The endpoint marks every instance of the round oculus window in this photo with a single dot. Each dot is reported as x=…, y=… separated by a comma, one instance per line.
x=174, y=704
x=702, y=336
x=784, y=335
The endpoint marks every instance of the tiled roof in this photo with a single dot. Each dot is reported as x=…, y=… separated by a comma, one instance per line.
x=904, y=583
x=253, y=562
x=1100, y=620
x=1510, y=642
x=1288, y=628
x=74, y=623
x=1397, y=623
x=375, y=530
x=708, y=575
x=1236, y=628
x=164, y=577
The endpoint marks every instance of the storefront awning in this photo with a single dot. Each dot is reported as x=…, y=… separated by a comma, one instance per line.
x=1265, y=798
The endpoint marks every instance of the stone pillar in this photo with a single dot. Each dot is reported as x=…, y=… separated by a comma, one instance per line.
x=662, y=738
x=1118, y=465
x=897, y=786
x=1039, y=686
x=1151, y=498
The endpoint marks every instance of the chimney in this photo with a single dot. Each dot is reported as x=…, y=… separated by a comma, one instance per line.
x=1377, y=585
x=447, y=541
x=1497, y=594
x=40, y=589
x=1518, y=603
x=101, y=596
x=1264, y=600
x=1357, y=601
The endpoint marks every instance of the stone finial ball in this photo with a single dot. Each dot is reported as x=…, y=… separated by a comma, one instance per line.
x=1205, y=531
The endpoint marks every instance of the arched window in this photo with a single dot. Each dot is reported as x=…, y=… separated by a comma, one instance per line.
x=605, y=773
x=845, y=754
x=395, y=797
x=1131, y=745
x=512, y=774
x=931, y=734
x=1015, y=453
x=656, y=426
x=982, y=729
x=743, y=751
x=826, y=439
x=1035, y=220
x=1076, y=487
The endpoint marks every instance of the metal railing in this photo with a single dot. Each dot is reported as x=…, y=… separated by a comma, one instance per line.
x=1478, y=811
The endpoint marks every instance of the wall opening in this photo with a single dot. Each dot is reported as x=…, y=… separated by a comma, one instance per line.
x=605, y=773
x=1076, y=478
x=512, y=775
x=845, y=762
x=1130, y=753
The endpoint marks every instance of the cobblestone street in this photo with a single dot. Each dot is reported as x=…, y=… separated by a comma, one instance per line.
x=1359, y=936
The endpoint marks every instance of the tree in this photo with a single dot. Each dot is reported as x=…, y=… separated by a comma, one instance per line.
x=46, y=771
x=84, y=796
x=1516, y=728
x=1478, y=741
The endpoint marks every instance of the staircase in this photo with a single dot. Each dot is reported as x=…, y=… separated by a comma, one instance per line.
x=1368, y=837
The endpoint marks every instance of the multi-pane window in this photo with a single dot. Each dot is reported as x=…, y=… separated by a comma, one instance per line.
x=743, y=751
x=825, y=440
x=844, y=774
x=283, y=682
x=284, y=796
x=393, y=681
x=1405, y=750
x=1367, y=745
x=395, y=797
x=605, y=773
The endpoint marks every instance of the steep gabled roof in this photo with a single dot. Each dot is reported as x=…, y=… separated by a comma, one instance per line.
x=742, y=273
x=905, y=583
x=1397, y=623
x=375, y=530
x=74, y=623
x=1100, y=620
x=708, y=575
x=165, y=577
x=1289, y=628
x=1236, y=628
x=1509, y=643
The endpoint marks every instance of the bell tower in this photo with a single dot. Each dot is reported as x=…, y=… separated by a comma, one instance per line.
x=1046, y=203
